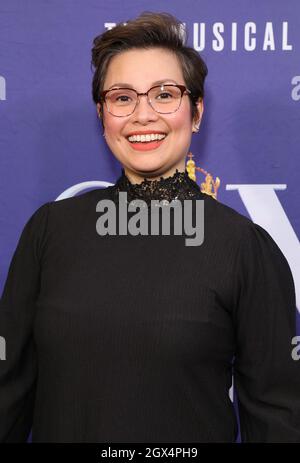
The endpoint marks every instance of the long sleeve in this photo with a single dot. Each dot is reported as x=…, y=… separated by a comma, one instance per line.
x=267, y=378
x=18, y=371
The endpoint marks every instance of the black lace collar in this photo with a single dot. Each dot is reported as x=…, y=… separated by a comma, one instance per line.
x=177, y=186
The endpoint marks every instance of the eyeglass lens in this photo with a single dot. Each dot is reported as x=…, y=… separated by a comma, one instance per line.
x=164, y=99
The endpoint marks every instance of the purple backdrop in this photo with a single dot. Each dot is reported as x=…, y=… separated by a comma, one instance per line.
x=50, y=138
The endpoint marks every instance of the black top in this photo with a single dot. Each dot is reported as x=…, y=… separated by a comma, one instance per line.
x=132, y=338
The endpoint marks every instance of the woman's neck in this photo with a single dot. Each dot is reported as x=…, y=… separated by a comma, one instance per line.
x=176, y=186
x=138, y=178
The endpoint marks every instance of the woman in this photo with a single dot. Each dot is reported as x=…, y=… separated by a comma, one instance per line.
x=133, y=338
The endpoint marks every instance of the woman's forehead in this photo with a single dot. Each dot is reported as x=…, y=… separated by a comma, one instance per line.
x=134, y=67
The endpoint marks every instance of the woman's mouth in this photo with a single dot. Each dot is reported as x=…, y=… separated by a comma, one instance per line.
x=146, y=145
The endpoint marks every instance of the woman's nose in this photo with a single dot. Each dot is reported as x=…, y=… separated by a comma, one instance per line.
x=143, y=110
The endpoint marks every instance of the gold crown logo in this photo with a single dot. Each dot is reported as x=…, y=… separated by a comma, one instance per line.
x=209, y=186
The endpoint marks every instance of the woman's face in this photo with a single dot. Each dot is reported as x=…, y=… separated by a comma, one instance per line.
x=141, y=68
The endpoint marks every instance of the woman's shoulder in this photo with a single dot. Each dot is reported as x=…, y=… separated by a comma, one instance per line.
x=66, y=212
x=224, y=213
x=232, y=228
x=82, y=198
x=79, y=203
x=226, y=223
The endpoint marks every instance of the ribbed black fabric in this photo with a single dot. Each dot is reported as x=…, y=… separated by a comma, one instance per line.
x=131, y=338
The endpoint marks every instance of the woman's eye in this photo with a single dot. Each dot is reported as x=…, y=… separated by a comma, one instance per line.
x=122, y=97
x=165, y=93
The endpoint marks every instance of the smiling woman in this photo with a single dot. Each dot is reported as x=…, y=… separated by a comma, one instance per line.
x=148, y=110
x=147, y=81
x=133, y=337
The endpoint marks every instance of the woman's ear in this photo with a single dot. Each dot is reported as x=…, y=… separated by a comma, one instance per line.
x=198, y=117
x=100, y=115
x=99, y=112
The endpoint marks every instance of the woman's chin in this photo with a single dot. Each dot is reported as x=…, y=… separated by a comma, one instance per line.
x=147, y=165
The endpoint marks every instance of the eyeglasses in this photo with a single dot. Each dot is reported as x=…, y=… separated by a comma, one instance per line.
x=164, y=99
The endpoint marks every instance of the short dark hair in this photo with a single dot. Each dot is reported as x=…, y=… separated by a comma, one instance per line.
x=149, y=30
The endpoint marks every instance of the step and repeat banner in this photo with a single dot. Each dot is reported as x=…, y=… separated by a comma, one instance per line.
x=51, y=143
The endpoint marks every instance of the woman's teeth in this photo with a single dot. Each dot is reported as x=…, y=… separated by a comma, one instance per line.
x=146, y=138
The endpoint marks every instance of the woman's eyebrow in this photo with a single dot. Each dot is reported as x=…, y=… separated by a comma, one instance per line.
x=157, y=82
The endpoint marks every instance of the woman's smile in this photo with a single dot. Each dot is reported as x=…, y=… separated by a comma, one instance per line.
x=147, y=145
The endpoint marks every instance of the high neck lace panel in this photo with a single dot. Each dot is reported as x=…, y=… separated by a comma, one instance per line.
x=177, y=186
